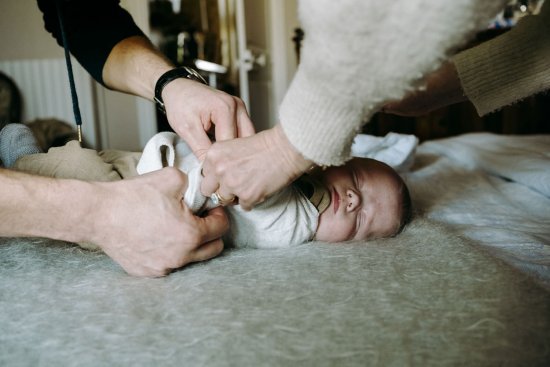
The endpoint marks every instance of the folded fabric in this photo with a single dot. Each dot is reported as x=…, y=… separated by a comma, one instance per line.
x=396, y=150
x=166, y=149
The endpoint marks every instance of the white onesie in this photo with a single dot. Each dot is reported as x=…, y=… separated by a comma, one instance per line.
x=284, y=219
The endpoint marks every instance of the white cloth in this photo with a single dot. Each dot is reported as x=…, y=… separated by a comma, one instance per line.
x=166, y=149
x=522, y=159
x=286, y=218
x=396, y=150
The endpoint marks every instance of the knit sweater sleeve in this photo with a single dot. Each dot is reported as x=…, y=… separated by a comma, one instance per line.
x=358, y=54
x=508, y=68
x=92, y=29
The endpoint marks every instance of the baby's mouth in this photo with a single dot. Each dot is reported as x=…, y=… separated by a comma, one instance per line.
x=335, y=199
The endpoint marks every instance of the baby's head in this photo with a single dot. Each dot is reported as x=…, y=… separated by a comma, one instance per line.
x=368, y=200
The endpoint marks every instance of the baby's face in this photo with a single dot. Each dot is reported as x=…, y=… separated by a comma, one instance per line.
x=365, y=201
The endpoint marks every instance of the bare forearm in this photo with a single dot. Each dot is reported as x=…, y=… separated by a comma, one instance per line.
x=140, y=223
x=134, y=66
x=42, y=207
x=442, y=89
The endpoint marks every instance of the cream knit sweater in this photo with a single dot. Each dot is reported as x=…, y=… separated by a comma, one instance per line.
x=510, y=67
x=358, y=54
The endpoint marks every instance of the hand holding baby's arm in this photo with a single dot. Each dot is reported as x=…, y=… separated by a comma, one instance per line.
x=148, y=230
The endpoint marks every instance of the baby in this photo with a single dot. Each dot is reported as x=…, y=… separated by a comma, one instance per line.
x=364, y=199
x=361, y=200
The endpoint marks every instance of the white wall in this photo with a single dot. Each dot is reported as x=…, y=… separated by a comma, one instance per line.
x=22, y=34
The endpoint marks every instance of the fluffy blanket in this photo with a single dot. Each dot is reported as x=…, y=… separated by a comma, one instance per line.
x=427, y=297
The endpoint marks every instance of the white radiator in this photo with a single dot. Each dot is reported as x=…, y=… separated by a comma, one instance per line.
x=44, y=86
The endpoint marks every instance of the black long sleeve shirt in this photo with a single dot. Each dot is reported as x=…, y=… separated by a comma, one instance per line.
x=92, y=29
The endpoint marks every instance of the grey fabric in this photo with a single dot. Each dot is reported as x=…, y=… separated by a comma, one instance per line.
x=16, y=141
x=424, y=298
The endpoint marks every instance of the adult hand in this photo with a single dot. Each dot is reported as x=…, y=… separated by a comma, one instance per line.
x=443, y=88
x=194, y=109
x=252, y=168
x=143, y=225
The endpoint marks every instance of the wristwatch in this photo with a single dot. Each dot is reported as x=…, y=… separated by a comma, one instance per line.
x=182, y=72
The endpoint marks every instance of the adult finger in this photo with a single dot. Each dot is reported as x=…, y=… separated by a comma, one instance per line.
x=249, y=204
x=225, y=122
x=198, y=140
x=209, y=182
x=208, y=250
x=245, y=127
x=213, y=225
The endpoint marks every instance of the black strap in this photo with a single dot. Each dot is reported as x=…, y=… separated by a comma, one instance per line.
x=74, y=96
x=167, y=77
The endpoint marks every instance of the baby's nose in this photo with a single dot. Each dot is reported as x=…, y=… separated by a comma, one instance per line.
x=353, y=200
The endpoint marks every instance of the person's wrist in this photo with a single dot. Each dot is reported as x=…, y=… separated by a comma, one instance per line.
x=295, y=161
x=169, y=77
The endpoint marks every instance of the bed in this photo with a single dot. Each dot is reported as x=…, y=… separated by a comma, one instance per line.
x=466, y=283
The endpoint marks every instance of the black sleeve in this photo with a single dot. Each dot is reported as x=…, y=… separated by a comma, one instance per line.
x=92, y=29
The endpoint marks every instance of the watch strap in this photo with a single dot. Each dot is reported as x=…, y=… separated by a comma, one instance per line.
x=167, y=77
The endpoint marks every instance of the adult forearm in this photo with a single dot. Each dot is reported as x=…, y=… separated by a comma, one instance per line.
x=92, y=29
x=134, y=66
x=36, y=206
x=140, y=223
x=442, y=89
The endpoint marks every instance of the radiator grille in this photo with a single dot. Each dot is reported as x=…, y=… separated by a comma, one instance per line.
x=44, y=86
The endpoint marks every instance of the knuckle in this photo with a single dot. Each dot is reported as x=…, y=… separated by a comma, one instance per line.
x=228, y=103
x=239, y=102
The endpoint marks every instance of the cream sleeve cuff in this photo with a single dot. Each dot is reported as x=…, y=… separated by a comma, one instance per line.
x=321, y=126
x=510, y=67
